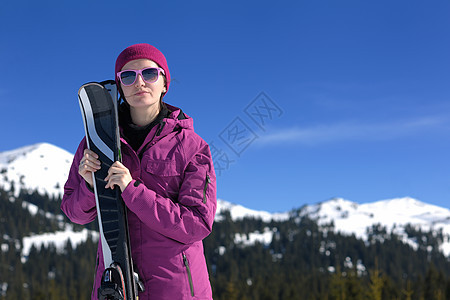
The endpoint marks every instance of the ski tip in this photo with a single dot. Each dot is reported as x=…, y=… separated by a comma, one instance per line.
x=110, y=82
x=88, y=85
x=101, y=84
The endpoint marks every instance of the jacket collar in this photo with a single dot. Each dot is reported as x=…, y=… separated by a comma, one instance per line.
x=176, y=120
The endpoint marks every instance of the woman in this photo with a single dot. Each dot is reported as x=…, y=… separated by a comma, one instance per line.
x=167, y=181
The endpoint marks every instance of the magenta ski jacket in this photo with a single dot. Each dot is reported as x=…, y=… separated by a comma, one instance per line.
x=171, y=207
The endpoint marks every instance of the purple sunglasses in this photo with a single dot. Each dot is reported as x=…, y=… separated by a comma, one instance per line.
x=149, y=75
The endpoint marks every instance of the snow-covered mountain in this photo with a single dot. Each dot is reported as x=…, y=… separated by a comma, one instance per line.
x=239, y=212
x=393, y=214
x=353, y=218
x=45, y=167
x=42, y=167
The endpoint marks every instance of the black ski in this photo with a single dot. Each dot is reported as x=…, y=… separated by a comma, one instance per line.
x=98, y=103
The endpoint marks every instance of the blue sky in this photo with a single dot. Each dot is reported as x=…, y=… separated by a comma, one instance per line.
x=302, y=100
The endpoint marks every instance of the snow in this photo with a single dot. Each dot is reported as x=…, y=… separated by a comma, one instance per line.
x=45, y=167
x=264, y=237
x=3, y=288
x=353, y=218
x=446, y=248
x=41, y=167
x=222, y=250
x=58, y=239
x=239, y=212
x=32, y=208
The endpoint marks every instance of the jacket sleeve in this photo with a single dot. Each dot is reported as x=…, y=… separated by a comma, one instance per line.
x=78, y=202
x=188, y=220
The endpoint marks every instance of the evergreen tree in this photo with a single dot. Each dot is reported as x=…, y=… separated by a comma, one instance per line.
x=408, y=292
x=303, y=260
x=376, y=283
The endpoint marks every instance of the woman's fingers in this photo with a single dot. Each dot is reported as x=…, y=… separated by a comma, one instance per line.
x=118, y=175
x=90, y=158
x=89, y=163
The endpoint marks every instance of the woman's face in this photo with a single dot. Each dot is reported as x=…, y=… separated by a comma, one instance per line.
x=142, y=94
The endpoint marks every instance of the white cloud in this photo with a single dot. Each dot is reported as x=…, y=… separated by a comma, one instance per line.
x=347, y=131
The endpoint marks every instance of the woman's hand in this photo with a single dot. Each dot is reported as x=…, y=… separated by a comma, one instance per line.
x=118, y=175
x=88, y=165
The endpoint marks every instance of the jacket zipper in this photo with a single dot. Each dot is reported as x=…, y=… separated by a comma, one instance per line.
x=188, y=269
x=151, y=142
x=208, y=180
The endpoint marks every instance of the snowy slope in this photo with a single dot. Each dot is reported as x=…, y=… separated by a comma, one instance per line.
x=58, y=239
x=239, y=212
x=42, y=166
x=353, y=218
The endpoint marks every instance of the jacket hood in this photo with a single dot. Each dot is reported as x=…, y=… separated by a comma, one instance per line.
x=177, y=118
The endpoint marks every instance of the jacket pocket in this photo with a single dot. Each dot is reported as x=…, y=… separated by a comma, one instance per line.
x=164, y=177
x=189, y=274
x=163, y=168
x=207, y=182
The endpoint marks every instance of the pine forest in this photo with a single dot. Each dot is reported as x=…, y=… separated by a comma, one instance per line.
x=302, y=261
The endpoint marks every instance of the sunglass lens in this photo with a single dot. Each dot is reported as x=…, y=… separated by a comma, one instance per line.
x=128, y=77
x=150, y=74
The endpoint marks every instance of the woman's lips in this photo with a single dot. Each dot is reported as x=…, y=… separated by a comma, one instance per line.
x=140, y=93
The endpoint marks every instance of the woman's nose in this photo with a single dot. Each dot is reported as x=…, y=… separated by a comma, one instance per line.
x=139, y=80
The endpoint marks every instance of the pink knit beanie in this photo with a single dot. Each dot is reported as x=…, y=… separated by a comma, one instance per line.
x=139, y=51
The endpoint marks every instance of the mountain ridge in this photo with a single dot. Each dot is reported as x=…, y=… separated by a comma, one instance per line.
x=44, y=168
